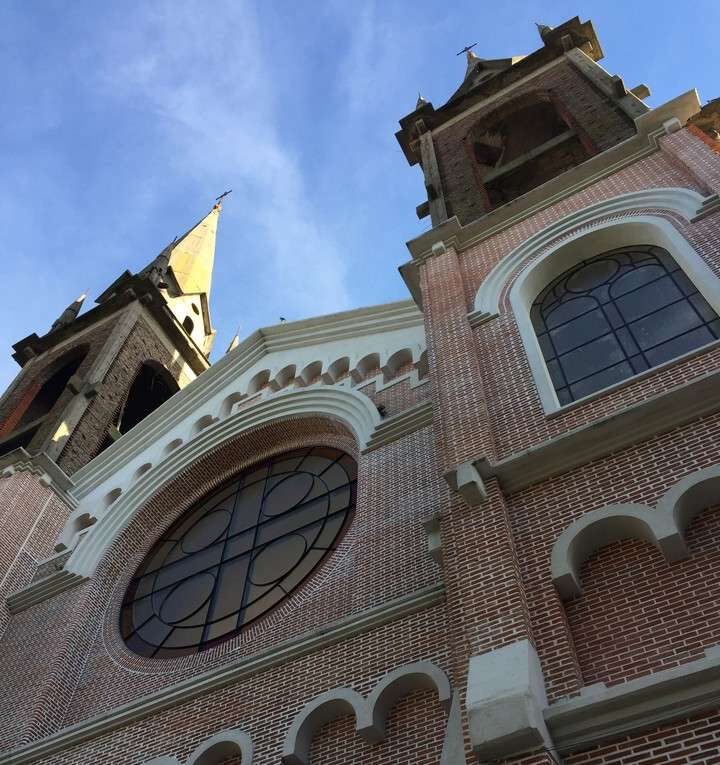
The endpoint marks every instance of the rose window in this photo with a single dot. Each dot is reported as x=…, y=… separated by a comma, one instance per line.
x=239, y=552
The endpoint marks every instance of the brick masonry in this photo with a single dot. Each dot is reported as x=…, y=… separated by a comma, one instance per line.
x=637, y=615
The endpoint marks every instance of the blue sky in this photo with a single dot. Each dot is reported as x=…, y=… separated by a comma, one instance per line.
x=123, y=120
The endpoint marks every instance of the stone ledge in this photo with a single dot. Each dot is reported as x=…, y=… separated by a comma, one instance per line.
x=399, y=425
x=42, y=589
x=247, y=666
x=49, y=474
x=628, y=426
x=600, y=713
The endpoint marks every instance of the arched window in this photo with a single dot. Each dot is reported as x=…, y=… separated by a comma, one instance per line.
x=51, y=390
x=152, y=386
x=617, y=314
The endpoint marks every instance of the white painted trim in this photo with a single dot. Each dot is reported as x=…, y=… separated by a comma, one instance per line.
x=400, y=425
x=384, y=329
x=627, y=425
x=595, y=238
x=344, y=404
x=685, y=202
x=221, y=677
x=222, y=746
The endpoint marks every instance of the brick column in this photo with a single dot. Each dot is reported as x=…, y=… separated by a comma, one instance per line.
x=462, y=426
x=505, y=690
x=691, y=149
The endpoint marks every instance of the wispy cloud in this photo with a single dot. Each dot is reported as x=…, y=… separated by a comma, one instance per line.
x=203, y=71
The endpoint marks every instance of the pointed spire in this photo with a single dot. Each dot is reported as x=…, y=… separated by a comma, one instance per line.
x=190, y=258
x=420, y=102
x=543, y=29
x=70, y=313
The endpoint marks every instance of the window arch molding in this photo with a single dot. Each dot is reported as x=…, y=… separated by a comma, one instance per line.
x=686, y=203
x=601, y=237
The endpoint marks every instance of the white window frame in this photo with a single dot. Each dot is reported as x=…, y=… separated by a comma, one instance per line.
x=591, y=241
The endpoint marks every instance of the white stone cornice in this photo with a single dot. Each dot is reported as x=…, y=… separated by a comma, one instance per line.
x=601, y=714
x=49, y=474
x=344, y=404
x=225, y=375
x=684, y=202
x=399, y=425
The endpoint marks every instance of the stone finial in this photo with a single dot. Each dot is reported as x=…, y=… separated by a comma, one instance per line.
x=420, y=102
x=233, y=343
x=70, y=313
x=543, y=29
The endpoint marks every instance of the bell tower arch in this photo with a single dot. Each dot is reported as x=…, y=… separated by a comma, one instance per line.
x=95, y=375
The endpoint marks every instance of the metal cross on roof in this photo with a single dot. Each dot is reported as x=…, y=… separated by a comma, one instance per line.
x=466, y=49
x=224, y=194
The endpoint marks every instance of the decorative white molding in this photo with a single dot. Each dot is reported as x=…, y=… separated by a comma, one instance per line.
x=216, y=749
x=662, y=527
x=601, y=714
x=344, y=404
x=685, y=202
x=220, y=677
x=595, y=238
x=222, y=746
x=600, y=527
x=434, y=538
x=48, y=473
x=453, y=751
x=627, y=426
x=370, y=713
x=42, y=589
x=395, y=325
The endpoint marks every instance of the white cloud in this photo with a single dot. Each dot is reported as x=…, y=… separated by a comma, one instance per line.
x=201, y=69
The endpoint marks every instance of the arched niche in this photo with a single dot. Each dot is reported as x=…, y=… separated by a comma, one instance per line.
x=152, y=386
x=691, y=495
x=25, y=422
x=601, y=527
x=524, y=143
x=370, y=713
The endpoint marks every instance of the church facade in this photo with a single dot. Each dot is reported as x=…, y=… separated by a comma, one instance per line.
x=478, y=525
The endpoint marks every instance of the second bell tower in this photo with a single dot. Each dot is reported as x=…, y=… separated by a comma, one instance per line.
x=95, y=375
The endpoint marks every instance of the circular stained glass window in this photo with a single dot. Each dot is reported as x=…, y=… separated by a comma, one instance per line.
x=239, y=552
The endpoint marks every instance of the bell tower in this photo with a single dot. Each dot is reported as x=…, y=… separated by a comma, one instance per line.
x=516, y=124
x=95, y=375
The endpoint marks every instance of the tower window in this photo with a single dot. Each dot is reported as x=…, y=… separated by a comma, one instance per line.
x=239, y=552
x=522, y=146
x=152, y=386
x=51, y=390
x=188, y=324
x=616, y=315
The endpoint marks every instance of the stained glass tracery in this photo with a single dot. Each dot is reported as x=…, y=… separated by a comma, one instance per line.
x=239, y=552
x=616, y=315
